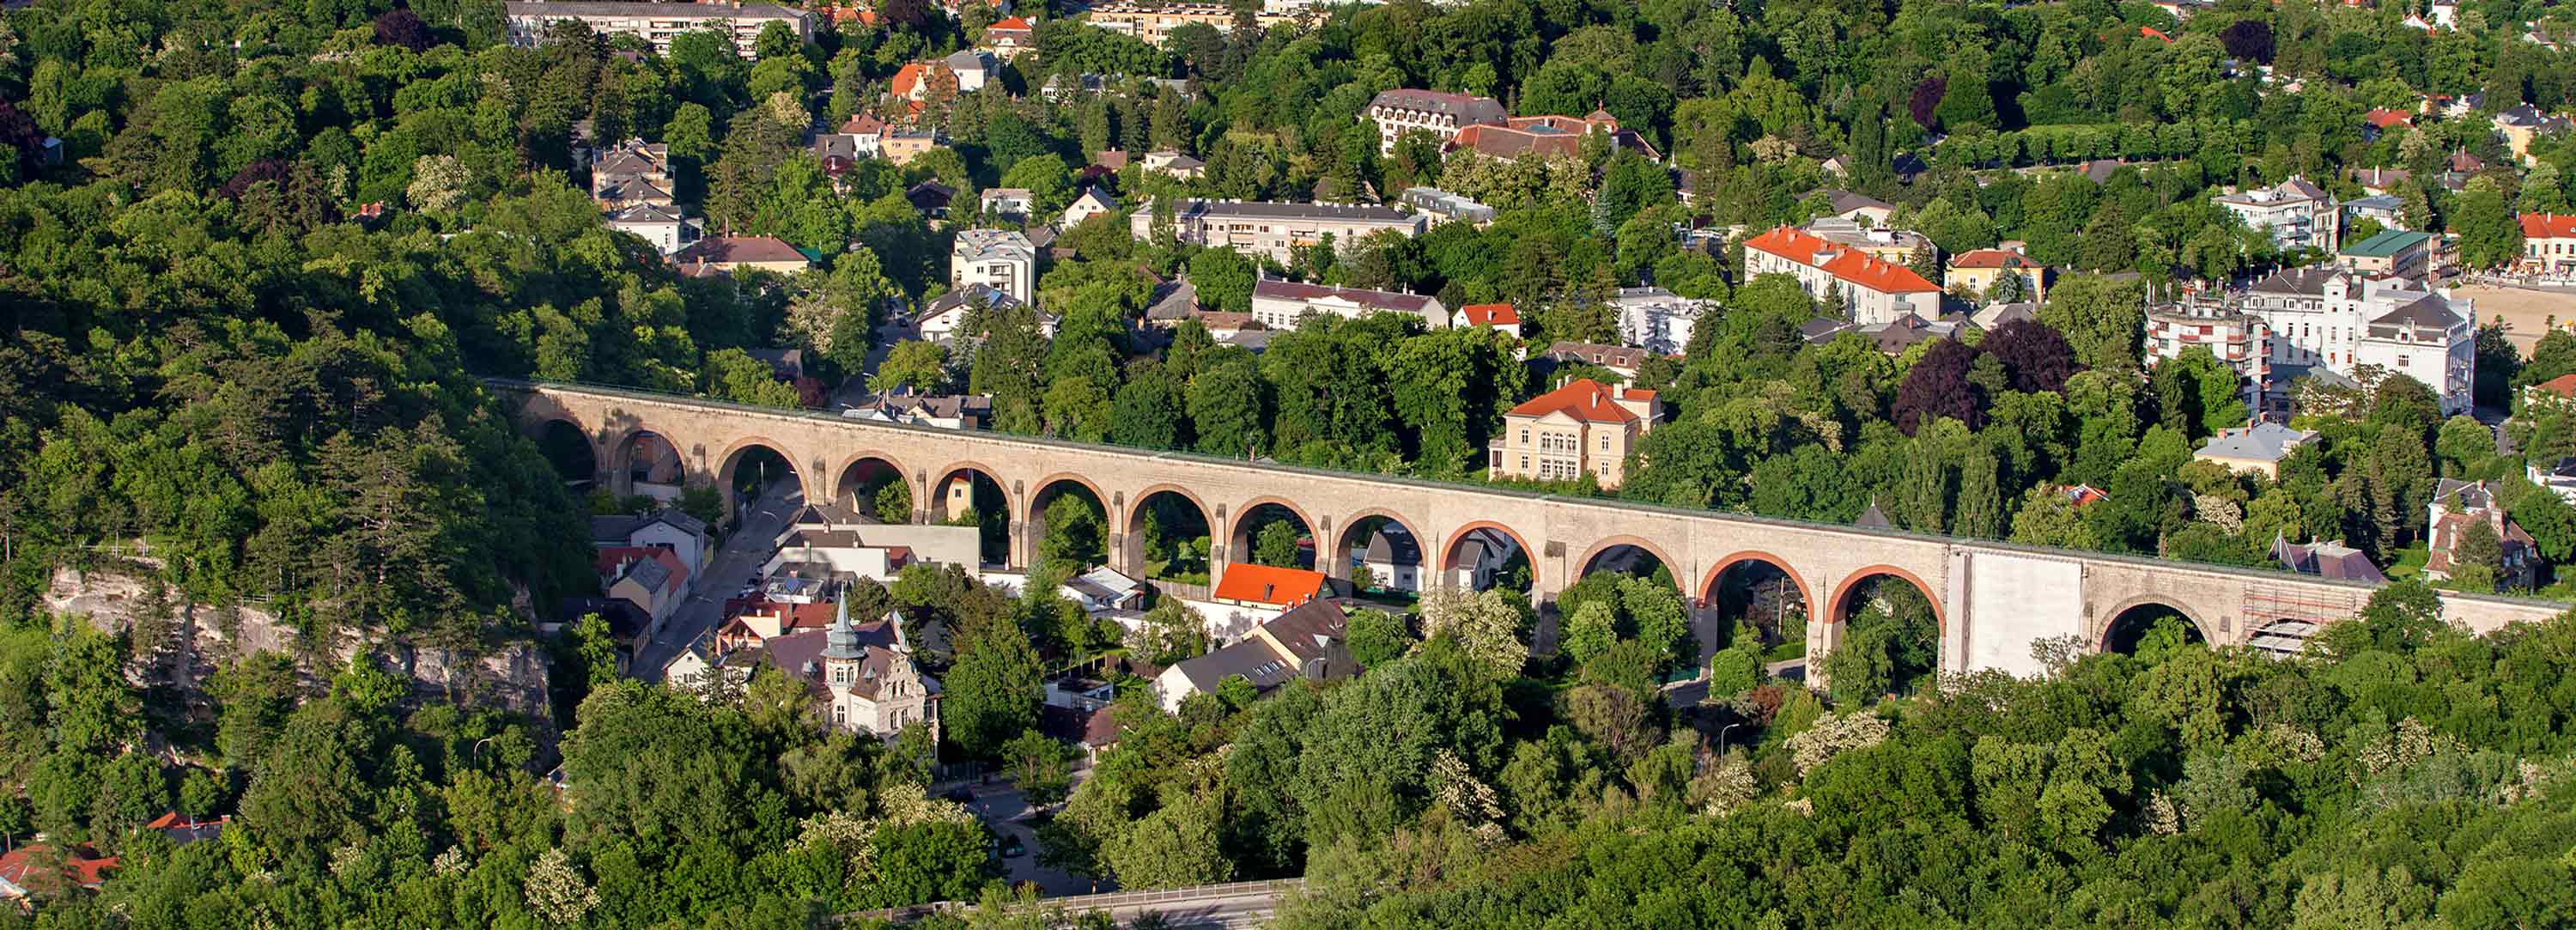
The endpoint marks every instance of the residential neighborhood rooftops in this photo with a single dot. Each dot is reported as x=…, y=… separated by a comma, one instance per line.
x=1282, y=210
x=1490, y=315
x=730, y=250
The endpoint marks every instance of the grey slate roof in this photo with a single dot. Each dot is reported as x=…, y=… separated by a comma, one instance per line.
x=1465, y=108
x=2266, y=441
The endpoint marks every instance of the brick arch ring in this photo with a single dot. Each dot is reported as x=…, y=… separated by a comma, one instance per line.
x=1851, y=582
x=1716, y=573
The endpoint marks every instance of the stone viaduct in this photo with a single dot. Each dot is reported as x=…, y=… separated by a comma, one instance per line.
x=1993, y=600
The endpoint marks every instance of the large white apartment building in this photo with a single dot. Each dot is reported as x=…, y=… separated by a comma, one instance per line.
x=1439, y=113
x=1657, y=320
x=656, y=23
x=1867, y=289
x=1281, y=304
x=1002, y=259
x=1274, y=229
x=2295, y=213
x=2343, y=321
x=2242, y=341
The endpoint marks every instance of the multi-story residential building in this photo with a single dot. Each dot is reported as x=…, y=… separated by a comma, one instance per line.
x=2242, y=341
x=1274, y=229
x=861, y=136
x=902, y=145
x=1011, y=36
x=2458, y=505
x=1154, y=22
x=1001, y=259
x=1307, y=641
x=1655, y=319
x=632, y=173
x=1281, y=304
x=1875, y=240
x=1174, y=165
x=1439, y=113
x=2346, y=322
x=1497, y=317
x=2295, y=213
x=1008, y=204
x=2524, y=123
x=663, y=226
x=1976, y=272
x=2384, y=209
x=1583, y=428
x=1868, y=290
x=1095, y=200
x=2548, y=244
x=2394, y=252
x=656, y=23
x=974, y=68
x=1444, y=207
x=728, y=254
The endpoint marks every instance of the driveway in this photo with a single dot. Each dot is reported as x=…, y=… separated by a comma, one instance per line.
x=741, y=556
x=1003, y=808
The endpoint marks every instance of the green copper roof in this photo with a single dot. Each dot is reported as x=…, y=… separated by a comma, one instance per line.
x=2386, y=244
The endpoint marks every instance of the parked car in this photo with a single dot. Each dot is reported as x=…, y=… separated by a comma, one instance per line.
x=1012, y=848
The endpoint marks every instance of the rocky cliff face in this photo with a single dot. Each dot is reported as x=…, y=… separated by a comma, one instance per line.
x=182, y=643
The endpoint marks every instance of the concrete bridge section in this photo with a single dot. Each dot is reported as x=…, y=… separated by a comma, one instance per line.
x=1994, y=600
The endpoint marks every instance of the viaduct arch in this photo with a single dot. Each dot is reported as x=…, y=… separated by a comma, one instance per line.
x=1995, y=600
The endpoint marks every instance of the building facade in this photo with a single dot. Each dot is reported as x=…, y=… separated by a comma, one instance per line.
x=1868, y=290
x=1583, y=428
x=1282, y=304
x=2241, y=341
x=1001, y=259
x=1275, y=229
x=1440, y=113
x=2548, y=244
x=656, y=23
x=1657, y=320
x=2345, y=322
x=2295, y=213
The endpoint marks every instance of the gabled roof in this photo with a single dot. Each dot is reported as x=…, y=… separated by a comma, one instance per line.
x=1491, y=315
x=729, y=250
x=1267, y=584
x=1009, y=24
x=2387, y=118
x=1587, y=400
x=1276, y=289
x=1606, y=356
x=1877, y=274
x=2549, y=225
x=1991, y=258
x=2387, y=243
x=2563, y=386
x=2330, y=559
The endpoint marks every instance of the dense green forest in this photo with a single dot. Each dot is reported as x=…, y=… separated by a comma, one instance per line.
x=248, y=306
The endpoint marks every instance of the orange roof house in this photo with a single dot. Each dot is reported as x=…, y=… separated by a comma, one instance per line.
x=1491, y=316
x=1585, y=429
x=1267, y=586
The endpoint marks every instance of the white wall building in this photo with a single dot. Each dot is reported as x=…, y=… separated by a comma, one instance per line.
x=1864, y=288
x=656, y=23
x=1657, y=320
x=1001, y=259
x=1281, y=304
x=662, y=226
x=1439, y=113
x=2344, y=321
x=2295, y=213
x=1274, y=229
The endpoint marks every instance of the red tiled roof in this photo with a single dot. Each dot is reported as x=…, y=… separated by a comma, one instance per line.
x=1584, y=399
x=2154, y=33
x=1988, y=258
x=83, y=865
x=1789, y=244
x=1012, y=24
x=862, y=124
x=2386, y=118
x=1877, y=274
x=2549, y=225
x=612, y=558
x=2563, y=386
x=1491, y=315
x=1264, y=584
x=908, y=79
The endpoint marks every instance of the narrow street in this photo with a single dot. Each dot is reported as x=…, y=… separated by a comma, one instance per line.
x=741, y=556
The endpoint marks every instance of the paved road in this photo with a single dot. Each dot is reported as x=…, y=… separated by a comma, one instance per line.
x=741, y=556
x=1005, y=809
